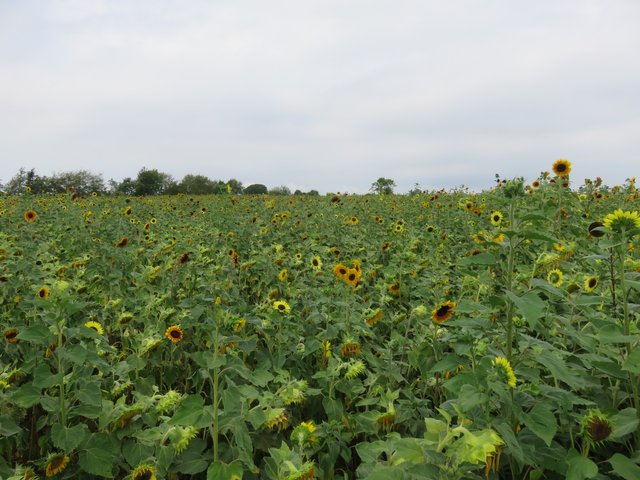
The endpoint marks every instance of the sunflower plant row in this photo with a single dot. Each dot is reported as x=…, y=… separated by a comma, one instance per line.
x=445, y=335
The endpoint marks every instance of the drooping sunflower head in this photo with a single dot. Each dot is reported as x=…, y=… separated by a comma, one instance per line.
x=596, y=427
x=122, y=242
x=503, y=364
x=619, y=220
x=174, y=333
x=595, y=229
x=95, y=326
x=303, y=434
x=30, y=216
x=444, y=312
x=555, y=277
x=561, y=167
x=56, y=463
x=277, y=419
x=143, y=472
x=11, y=335
x=43, y=292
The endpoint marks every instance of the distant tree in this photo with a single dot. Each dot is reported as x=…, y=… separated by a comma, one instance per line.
x=197, y=185
x=153, y=182
x=255, y=189
x=313, y=193
x=23, y=179
x=126, y=187
x=383, y=185
x=281, y=190
x=235, y=186
x=415, y=190
x=298, y=192
x=82, y=182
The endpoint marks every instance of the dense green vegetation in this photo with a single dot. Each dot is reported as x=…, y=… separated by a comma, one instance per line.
x=441, y=335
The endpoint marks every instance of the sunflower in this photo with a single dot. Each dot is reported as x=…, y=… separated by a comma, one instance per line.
x=496, y=218
x=398, y=228
x=122, y=242
x=555, y=277
x=352, y=277
x=303, y=433
x=374, y=318
x=11, y=335
x=43, y=292
x=561, y=167
x=353, y=220
x=619, y=220
x=277, y=419
x=95, y=326
x=281, y=306
x=394, y=289
x=596, y=426
x=56, y=464
x=282, y=276
x=535, y=184
x=340, y=270
x=505, y=366
x=431, y=228
x=30, y=215
x=316, y=263
x=385, y=247
x=590, y=283
x=350, y=349
x=144, y=472
x=174, y=333
x=443, y=312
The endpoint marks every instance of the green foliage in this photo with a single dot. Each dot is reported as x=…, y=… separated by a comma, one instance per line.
x=383, y=186
x=421, y=339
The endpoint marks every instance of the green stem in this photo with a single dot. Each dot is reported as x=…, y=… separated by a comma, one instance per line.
x=509, y=285
x=63, y=405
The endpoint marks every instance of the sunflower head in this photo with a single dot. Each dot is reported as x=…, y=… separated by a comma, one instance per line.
x=502, y=364
x=43, y=292
x=561, y=167
x=444, y=312
x=56, y=463
x=11, y=335
x=619, y=221
x=281, y=306
x=596, y=427
x=555, y=277
x=174, y=333
x=590, y=283
x=496, y=218
x=316, y=263
x=30, y=216
x=95, y=326
x=143, y=472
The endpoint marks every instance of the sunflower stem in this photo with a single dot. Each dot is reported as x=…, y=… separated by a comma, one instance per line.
x=63, y=405
x=509, y=285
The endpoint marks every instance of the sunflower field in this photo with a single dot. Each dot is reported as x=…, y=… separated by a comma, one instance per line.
x=444, y=335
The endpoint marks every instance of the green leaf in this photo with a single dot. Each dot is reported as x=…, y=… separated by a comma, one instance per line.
x=99, y=455
x=483, y=258
x=26, y=396
x=541, y=421
x=191, y=412
x=558, y=368
x=632, y=362
x=136, y=453
x=68, y=439
x=89, y=393
x=8, y=426
x=223, y=471
x=530, y=305
x=38, y=334
x=506, y=432
x=470, y=397
x=76, y=354
x=624, y=467
x=624, y=422
x=580, y=467
x=43, y=378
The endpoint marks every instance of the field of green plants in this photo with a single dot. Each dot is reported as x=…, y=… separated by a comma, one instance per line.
x=444, y=335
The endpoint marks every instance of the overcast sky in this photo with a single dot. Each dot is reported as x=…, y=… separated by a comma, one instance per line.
x=322, y=94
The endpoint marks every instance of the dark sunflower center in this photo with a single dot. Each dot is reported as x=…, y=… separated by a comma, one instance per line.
x=281, y=307
x=592, y=282
x=11, y=335
x=145, y=475
x=599, y=429
x=175, y=333
x=352, y=277
x=343, y=271
x=496, y=218
x=315, y=262
x=443, y=310
x=42, y=293
x=561, y=167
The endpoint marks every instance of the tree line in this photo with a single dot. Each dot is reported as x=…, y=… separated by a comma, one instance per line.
x=147, y=182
